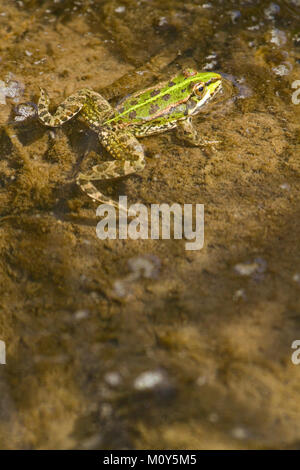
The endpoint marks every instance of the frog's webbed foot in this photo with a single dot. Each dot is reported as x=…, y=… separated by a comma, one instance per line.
x=186, y=131
x=130, y=159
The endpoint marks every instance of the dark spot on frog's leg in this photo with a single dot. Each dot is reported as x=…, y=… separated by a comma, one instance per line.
x=166, y=97
x=121, y=110
x=171, y=83
x=133, y=102
x=154, y=93
x=183, y=90
x=132, y=114
x=154, y=109
x=43, y=113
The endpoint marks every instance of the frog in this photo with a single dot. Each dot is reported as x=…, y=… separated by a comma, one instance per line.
x=170, y=104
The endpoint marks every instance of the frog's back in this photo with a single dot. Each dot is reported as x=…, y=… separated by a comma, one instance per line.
x=158, y=100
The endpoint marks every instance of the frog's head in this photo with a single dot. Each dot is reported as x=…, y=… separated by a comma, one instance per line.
x=205, y=85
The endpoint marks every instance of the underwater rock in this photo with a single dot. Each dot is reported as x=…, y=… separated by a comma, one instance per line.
x=149, y=380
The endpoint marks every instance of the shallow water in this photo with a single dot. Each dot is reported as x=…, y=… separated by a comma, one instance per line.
x=197, y=354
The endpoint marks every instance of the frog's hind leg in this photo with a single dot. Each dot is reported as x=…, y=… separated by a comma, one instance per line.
x=65, y=111
x=91, y=190
x=86, y=100
x=130, y=159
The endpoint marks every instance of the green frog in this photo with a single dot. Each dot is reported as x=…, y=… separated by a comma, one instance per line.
x=170, y=104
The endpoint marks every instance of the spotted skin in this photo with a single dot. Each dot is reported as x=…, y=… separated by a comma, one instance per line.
x=157, y=109
x=118, y=142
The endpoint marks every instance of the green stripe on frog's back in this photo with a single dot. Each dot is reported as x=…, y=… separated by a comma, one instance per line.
x=156, y=101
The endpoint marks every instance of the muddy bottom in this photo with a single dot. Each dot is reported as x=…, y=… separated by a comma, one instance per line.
x=143, y=344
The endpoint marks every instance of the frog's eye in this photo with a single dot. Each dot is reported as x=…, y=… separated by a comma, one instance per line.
x=198, y=89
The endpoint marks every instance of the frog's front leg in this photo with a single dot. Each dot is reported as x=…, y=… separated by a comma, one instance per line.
x=185, y=130
x=129, y=155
